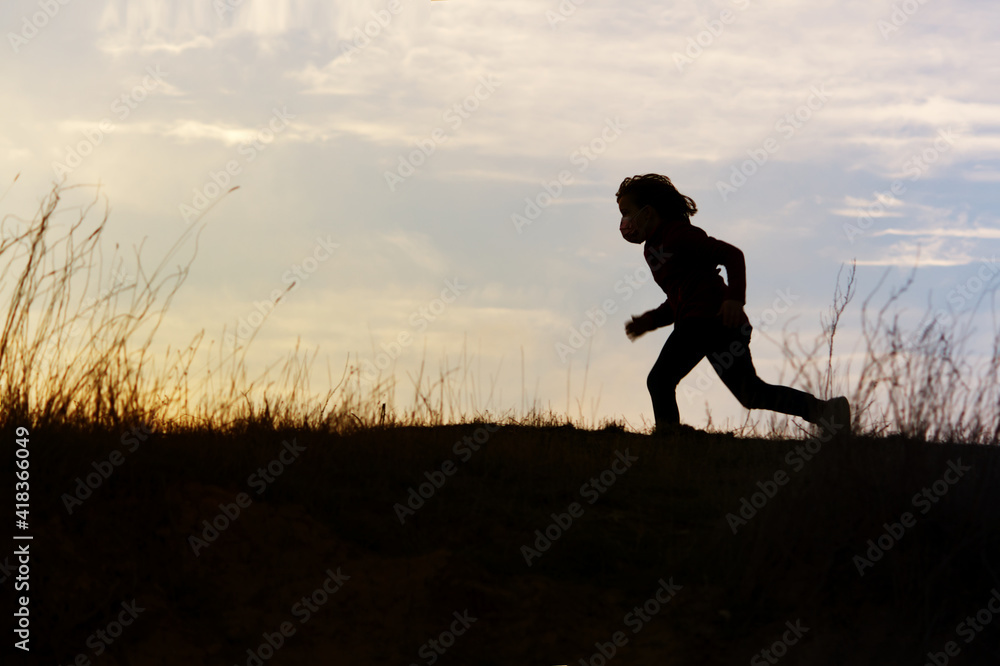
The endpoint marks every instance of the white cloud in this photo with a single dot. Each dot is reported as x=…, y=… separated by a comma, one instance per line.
x=982, y=175
x=987, y=233
x=417, y=247
x=936, y=252
x=858, y=212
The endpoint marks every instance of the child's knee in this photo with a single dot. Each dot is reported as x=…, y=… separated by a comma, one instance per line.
x=661, y=379
x=652, y=383
x=724, y=359
x=751, y=394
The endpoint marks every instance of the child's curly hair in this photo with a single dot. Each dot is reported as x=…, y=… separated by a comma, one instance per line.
x=657, y=191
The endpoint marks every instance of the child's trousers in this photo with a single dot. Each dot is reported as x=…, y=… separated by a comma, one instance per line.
x=728, y=351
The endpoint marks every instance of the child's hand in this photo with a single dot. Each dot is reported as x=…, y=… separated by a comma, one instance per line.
x=732, y=313
x=636, y=327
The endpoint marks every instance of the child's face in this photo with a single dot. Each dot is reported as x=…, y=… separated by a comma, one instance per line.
x=637, y=223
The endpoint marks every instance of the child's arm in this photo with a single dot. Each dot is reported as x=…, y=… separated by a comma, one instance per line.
x=660, y=316
x=649, y=321
x=731, y=257
x=736, y=273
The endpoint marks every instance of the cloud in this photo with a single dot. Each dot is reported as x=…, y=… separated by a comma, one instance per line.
x=419, y=249
x=934, y=253
x=955, y=233
x=858, y=212
x=982, y=175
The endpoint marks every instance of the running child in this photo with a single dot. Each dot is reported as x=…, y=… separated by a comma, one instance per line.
x=707, y=314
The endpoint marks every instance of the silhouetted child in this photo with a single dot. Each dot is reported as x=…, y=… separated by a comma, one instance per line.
x=707, y=314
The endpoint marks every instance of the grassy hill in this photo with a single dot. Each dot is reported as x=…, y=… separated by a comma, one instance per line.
x=663, y=523
x=246, y=521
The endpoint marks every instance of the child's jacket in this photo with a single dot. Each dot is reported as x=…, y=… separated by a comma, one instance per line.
x=685, y=263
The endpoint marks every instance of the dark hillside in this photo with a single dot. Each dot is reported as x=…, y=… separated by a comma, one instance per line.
x=640, y=558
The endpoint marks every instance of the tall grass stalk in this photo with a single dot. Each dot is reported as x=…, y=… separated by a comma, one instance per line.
x=919, y=381
x=67, y=360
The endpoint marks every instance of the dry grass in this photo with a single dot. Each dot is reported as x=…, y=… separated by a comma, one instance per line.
x=87, y=366
x=72, y=361
x=85, y=363
x=919, y=382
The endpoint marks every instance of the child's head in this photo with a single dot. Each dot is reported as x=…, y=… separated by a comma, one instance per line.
x=657, y=191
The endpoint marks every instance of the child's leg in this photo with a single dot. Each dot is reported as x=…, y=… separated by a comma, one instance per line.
x=730, y=357
x=684, y=348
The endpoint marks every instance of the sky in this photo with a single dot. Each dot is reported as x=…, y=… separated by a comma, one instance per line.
x=437, y=178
